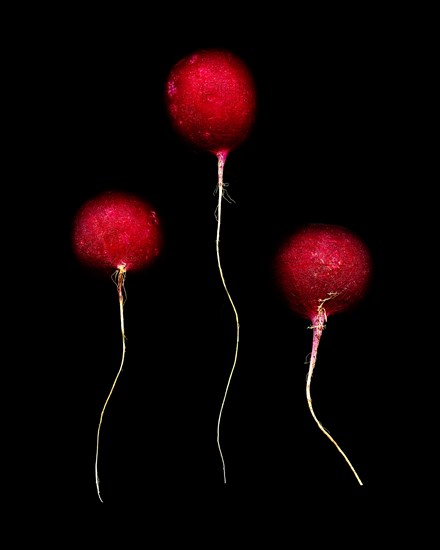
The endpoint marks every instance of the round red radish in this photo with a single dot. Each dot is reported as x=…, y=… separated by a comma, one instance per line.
x=323, y=267
x=116, y=230
x=211, y=100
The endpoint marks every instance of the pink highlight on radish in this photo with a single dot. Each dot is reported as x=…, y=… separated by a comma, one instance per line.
x=323, y=269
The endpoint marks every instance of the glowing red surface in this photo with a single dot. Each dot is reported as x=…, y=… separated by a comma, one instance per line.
x=116, y=229
x=321, y=261
x=211, y=100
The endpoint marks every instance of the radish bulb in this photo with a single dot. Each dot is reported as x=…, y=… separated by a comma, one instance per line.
x=211, y=101
x=323, y=269
x=116, y=231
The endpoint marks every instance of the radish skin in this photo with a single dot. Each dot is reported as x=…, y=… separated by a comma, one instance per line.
x=211, y=100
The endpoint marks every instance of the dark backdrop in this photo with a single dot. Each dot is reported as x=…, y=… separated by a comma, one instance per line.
x=329, y=145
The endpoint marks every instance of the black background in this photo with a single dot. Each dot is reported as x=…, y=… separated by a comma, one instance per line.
x=330, y=144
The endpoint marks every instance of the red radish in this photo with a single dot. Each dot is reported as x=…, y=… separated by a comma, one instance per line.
x=211, y=101
x=116, y=231
x=323, y=269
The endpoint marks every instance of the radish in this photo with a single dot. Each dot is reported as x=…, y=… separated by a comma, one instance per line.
x=211, y=100
x=116, y=231
x=322, y=269
x=210, y=97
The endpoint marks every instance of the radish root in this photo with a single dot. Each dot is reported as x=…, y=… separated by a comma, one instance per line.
x=118, y=278
x=221, y=192
x=318, y=327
